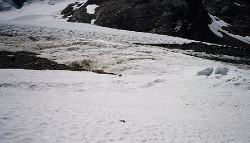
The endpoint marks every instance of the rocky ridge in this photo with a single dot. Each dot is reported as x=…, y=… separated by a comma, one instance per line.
x=234, y=12
x=181, y=18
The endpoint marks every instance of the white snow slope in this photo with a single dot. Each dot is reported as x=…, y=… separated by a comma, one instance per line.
x=161, y=96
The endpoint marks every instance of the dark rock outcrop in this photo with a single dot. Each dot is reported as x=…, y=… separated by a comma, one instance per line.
x=234, y=12
x=19, y=3
x=28, y=60
x=79, y=13
x=7, y=5
x=182, y=18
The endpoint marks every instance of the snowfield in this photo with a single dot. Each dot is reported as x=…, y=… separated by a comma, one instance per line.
x=156, y=95
x=64, y=106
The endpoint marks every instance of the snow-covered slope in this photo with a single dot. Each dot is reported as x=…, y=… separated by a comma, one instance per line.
x=174, y=106
x=157, y=95
x=37, y=11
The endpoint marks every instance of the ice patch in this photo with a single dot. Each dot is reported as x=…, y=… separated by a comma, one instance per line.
x=51, y=8
x=91, y=8
x=217, y=25
x=237, y=4
x=93, y=21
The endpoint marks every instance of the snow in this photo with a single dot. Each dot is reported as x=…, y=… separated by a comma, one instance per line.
x=91, y=8
x=75, y=7
x=43, y=18
x=207, y=71
x=237, y=4
x=35, y=9
x=217, y=27
x=93, y=21
x=81, y=31
x=158, y=96
x=177, y=106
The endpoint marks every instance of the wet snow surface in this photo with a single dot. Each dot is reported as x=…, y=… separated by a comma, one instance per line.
x=157, y=95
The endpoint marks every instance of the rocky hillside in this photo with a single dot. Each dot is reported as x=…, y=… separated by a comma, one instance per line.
x=6, y=5
x=182, y=18
x=20, y=3
x=234, y=12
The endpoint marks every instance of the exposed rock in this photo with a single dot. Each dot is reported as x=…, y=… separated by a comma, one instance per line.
x=234, y=12
x=6, y=5
x=182, y=18
x=28, y=60
x=80, y=15
x=77, y=12
x=19, y=3
x=97, y=2
x=68, y=11
x=228, y=54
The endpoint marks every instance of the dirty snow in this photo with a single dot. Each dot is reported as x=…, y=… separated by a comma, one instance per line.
x=157, y=97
